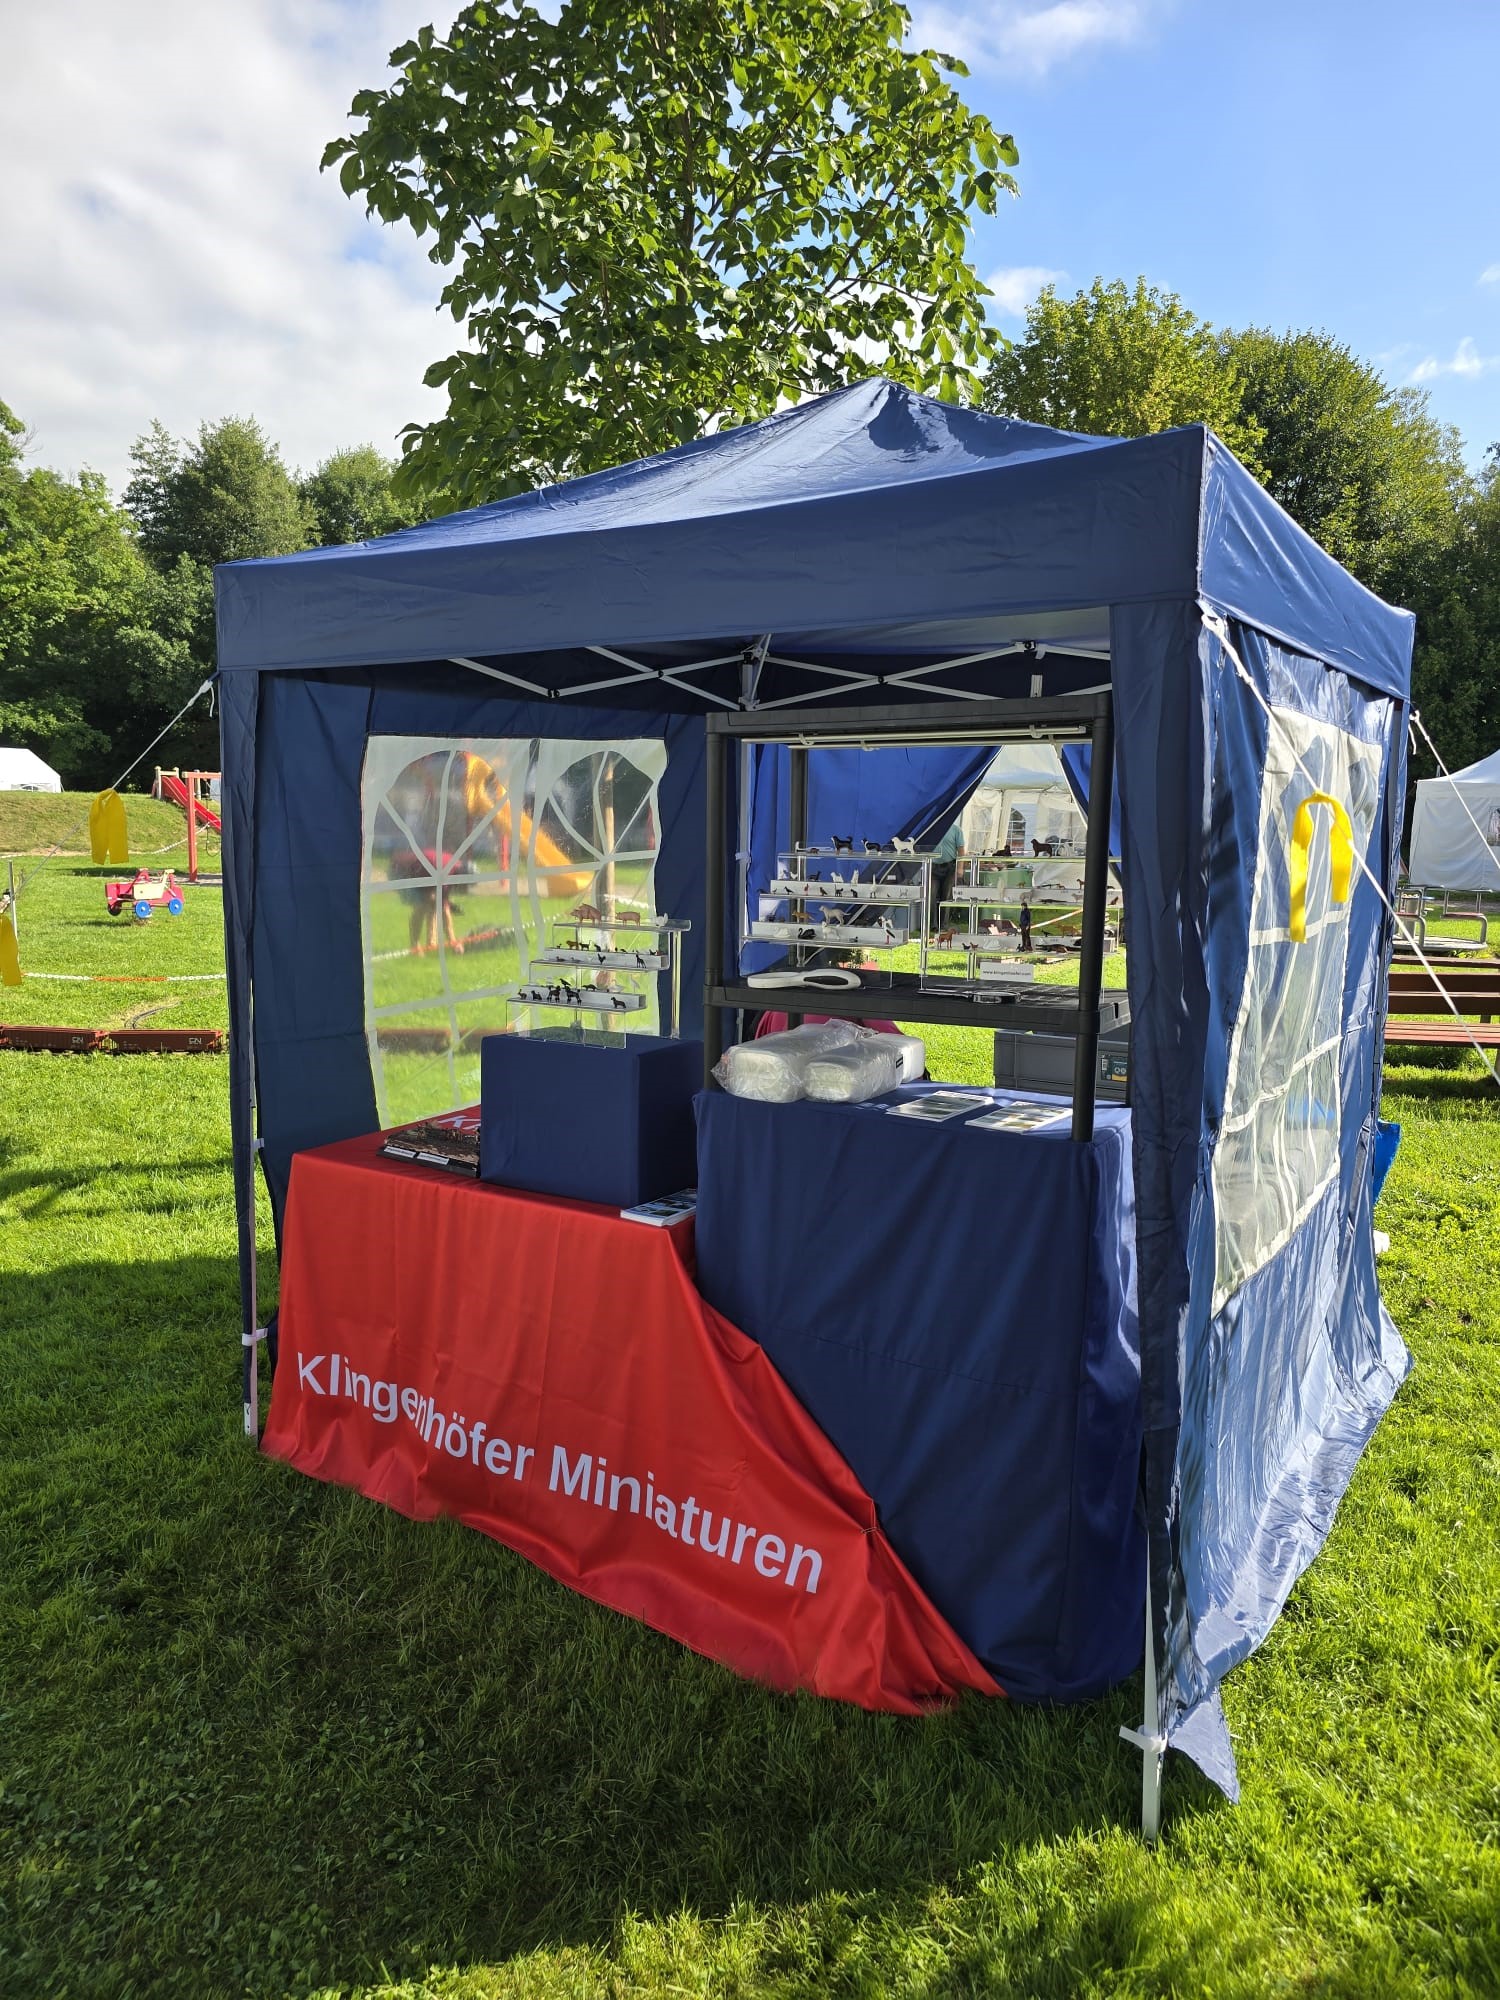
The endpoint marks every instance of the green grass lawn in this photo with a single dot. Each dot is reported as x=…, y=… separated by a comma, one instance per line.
x=259, y=1737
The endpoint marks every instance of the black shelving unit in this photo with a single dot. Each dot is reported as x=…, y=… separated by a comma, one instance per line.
x=927, y=998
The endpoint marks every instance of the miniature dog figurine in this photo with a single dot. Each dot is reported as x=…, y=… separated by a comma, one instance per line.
x=841, y=845
x=872, y=847
x=904, y=846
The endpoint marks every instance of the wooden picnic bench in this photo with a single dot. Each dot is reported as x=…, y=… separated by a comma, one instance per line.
x=1474, y=989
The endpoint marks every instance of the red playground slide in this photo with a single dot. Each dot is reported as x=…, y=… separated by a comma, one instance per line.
x=174, y=789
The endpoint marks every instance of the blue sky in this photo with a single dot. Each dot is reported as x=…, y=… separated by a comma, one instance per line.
x=176, y=253
x=1325, y=164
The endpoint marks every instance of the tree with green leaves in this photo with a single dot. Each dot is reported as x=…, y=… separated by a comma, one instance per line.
x=352, y=498
x=221, y=499
x=98, y=647
x=1456, y=670
x=1121, y=362
x=664, y=215
x=1364, y=468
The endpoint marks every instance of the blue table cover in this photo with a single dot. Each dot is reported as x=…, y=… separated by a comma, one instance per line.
x=956, y=1309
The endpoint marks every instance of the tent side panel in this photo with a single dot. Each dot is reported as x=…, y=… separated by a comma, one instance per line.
x=1161, y=761
x=311, y=1049
x=1286, y=1359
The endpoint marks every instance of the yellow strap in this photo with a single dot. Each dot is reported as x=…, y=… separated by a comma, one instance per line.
x=1340, y=858
x=10, y=957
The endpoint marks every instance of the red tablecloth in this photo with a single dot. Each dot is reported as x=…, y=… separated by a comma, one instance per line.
x=548, y=1373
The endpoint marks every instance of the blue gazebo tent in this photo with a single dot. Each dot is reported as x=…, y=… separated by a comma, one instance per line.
x=871, y=547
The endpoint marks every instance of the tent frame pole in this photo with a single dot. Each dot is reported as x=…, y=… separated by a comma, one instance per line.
x=797, y=756
x=716, y=751
x=1095, y=899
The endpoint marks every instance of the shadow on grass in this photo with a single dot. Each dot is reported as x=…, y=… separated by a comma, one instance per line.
x=265, y=1735
x=36, y=1189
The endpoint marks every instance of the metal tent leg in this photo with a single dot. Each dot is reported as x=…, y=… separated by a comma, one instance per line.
x=1147, y=1739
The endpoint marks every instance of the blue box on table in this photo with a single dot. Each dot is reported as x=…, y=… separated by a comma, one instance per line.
x=607, y=1122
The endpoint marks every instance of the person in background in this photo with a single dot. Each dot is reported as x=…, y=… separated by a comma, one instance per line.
x=944, y=868
x=1025, y=921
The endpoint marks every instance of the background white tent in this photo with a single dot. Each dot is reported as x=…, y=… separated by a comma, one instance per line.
x=24, y=771
x=1025, y=780
x=1454, y=848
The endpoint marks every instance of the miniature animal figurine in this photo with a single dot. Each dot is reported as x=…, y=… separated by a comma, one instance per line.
x=842, y=844
x=804, y=934
x=619, y=1005
x=584, y=913
x=943, y=941
x=573, y=944
x=904, y=846
x=872, y=847
x=628, y=917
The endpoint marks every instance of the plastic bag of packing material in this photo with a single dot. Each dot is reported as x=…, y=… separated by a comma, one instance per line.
x=773, y=1069
x=866, y=1068
x=913, y=1056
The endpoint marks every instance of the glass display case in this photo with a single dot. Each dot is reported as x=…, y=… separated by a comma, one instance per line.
x=875, y=897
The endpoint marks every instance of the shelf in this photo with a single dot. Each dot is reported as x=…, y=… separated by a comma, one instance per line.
x=765, y=930
x=859, y=852
x=979, y=941
x=656, y=926
x=902, y=996
x=604, y=959
x=590, y=999
x=863, y=895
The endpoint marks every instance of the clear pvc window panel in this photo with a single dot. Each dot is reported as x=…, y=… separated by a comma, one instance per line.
x=472, y=852
x=1278, y=1141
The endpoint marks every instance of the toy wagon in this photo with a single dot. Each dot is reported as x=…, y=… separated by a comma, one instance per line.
x=143, y=895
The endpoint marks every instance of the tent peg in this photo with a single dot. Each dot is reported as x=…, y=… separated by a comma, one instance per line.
x=1150, y=1742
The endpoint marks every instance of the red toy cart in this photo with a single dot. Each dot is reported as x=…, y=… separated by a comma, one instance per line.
x=146, y=893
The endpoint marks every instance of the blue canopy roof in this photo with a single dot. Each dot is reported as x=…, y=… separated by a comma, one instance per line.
x=872, y=521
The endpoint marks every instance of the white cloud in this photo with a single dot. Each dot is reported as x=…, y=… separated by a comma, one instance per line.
x=1017, y=285
x=1467, y=362
x=1026, y=41
x=1490, y=275
x=177, y=253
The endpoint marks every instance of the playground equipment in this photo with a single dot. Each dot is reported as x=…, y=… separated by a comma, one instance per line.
x=484, y=794
x=145, y=893
x=181, y=789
